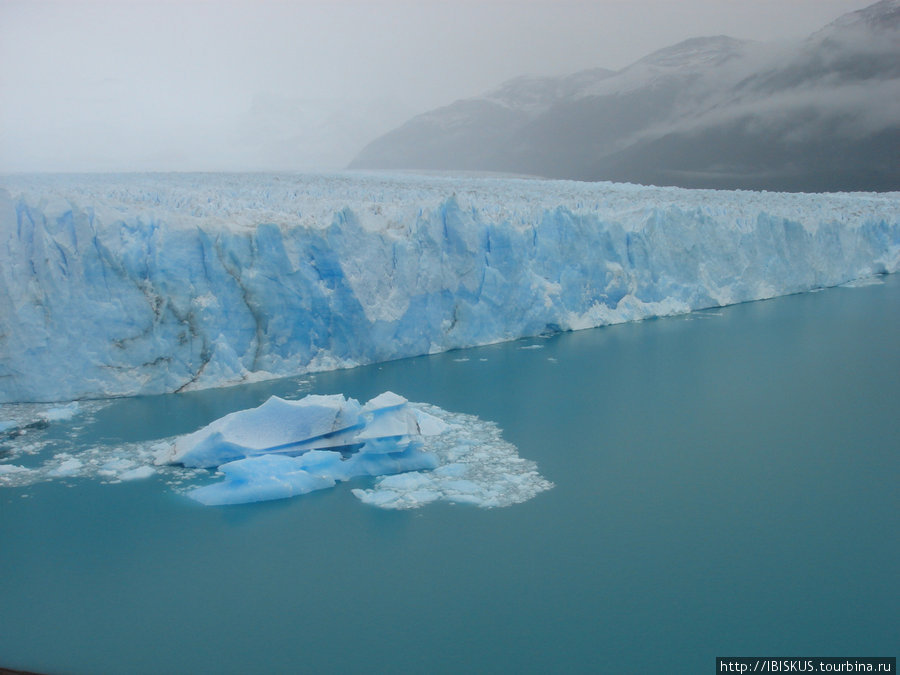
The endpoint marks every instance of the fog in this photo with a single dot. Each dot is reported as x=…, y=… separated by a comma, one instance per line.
x=247, y=85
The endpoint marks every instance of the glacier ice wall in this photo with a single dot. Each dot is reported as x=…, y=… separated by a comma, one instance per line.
x=141, y=284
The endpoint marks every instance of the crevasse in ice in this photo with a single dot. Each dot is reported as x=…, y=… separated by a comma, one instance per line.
x=140, y=284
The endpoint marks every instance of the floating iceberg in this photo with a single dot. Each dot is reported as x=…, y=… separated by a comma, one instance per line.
x=277, y=450
x=144, y=284
x=386, y=437
x=440, y=455
x=258, y=479
x=277, y=426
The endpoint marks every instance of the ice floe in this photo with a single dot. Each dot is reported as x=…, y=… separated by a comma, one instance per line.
x=416, y=455
x=397, y=454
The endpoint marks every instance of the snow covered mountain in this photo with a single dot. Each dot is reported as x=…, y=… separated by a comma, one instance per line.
x=821, y=115
x=142, y=284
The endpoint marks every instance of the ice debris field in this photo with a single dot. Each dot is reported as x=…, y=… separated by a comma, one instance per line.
x=287, y=448
x=415, y=453
x=142, y=284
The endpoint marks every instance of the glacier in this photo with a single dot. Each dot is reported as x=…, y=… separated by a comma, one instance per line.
x=131, y=284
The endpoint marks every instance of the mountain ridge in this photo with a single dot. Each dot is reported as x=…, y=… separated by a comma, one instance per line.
x=821, y=114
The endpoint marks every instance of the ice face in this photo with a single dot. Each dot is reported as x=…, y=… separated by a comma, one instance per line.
x=131, y=284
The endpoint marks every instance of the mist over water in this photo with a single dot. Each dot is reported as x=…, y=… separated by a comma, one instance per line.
x=724, y=483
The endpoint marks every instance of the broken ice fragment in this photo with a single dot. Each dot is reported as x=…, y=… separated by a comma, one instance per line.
x=262, y=478
x=275, y=426
x=415, y=456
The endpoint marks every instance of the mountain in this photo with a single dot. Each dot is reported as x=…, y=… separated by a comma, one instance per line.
x=475, y=133
x=822, y=114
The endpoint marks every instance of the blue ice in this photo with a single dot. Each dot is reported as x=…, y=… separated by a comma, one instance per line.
x=278, y=450
x=131, y=284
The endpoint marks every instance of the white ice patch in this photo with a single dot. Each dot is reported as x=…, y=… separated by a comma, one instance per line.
x=34, y=451
x=20, y=419
x=476, y=466
x=864, y=282
x=67, y=466
x=137, y=473
x=62, y=413
x=6, y=469
x=109, y=464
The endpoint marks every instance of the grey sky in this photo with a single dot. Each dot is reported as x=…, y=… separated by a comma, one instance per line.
x=251, y=84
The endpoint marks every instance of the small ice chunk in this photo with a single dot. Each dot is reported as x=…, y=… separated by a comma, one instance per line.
x=61, y=413
x=12, y=468
x=465, y=498
x=162, y=453
x=412, y=459
x=383, y=446
x=401, y=498
x=137, y=473
x=6, y=425
x=68, y=467
x=420, y=497
x=383, y=498
x=465, y=486
x=454, y=470
x=429, y=425
x=117, y=464
x=384, y=401
x=405, y=481
x=403, y=421
x=865, y=281
x=458, y=451
x=390, y=422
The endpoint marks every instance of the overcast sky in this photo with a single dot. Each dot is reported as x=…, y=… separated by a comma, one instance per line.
x=117, y=85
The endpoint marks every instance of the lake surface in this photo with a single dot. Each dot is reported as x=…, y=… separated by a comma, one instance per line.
x=725, y=484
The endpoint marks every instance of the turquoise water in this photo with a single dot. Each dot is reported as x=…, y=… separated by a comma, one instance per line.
x=725, y=484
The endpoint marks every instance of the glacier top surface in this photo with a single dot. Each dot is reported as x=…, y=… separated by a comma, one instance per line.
x=385, y=202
